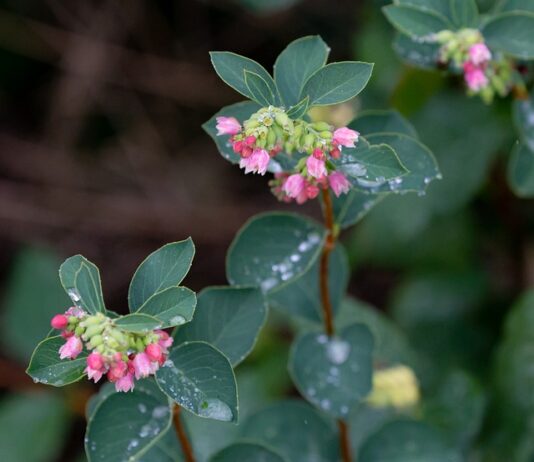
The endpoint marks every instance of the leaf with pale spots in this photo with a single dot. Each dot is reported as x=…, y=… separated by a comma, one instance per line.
x=200, y=379
x=301, y=297
x=47, y=367
x=419, y=54
x=164, y=268
x=124, y=426
x=229, y=318
x=241, y=111
x=350, y=208
x=407, y=441
x=333, y=373
x=81, y=280
x=294, y=429
x=272, y=249
x=171, y=307
x=247, y=452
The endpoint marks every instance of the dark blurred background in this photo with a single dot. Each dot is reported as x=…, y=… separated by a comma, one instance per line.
x=102, y=153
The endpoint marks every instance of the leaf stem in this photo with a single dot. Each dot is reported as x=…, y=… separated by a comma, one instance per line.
x=182, y=435
x=328, y=317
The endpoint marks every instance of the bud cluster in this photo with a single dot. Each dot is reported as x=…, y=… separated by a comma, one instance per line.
x=121, y=356
x=394, y=387
x=270, y=131
x=484, y=73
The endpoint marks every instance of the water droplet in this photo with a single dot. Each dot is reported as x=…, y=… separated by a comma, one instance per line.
x=177, y=320
x=160, y=412
x=337, y=351
x=215, y=409
x=268, y=284
x=142, y=408
x=74, y=295
x=132, y=445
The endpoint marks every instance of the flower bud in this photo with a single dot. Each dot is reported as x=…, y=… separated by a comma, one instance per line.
x=59, y=321
x=282, y=119
x=153, y=351
x=321, y=126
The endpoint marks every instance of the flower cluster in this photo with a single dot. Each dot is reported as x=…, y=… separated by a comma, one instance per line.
x=122, y=356
x=271, y=131
x=484, y=74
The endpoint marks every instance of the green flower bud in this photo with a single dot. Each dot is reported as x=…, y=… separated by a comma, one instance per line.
x=251, y=124
x=139, y=344
x=73, y=320
x=308, y=140
x=78, y=331
x=321, y=126
x=118, y=336
x=271, y=138
x=101, y=348
x=96, y=340
x=93, y=330
x=327, y=135
x=281, y=119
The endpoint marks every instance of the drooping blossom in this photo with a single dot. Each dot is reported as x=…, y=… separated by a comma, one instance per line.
x=316, y=167
x=294, y=185
x=475, y=77
x=117, y=370
x=257, y=162
x=165, y=340
x=479, y=54
x=154, y=352
x=339, y=183
x=345, y=137
x=125, y=383
x=142, y=365
x=71, y=348
x=228, y=126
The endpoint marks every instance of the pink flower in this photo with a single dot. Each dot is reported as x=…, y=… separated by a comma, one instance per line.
x=228, y=126
x=474, y=77
x=312, y=191
x=142, y=366
x=95, y=361
x=71, y=348
x=165, y=340
x=345, y=137
x=59, y=321
x=125, y=383
x=479, y=54
x=117, y=371
x=75, y=311
x=294, y=185
x=316, y=167
x=94, y=374
x=339, y=183
x=257, y=162
x=153, y=351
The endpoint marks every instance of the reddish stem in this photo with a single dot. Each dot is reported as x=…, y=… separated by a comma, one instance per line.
x=182, y=435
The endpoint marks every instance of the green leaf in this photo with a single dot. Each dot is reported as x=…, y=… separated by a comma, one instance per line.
x=524, y=120
x=423, y=55
x=511, y=33
x=350, y=208
x=124, y=426
x=247, y=451
x=516, y=5
x=200, y=379
x=137, y=322
x=32, y=427
x=259, y=89
x=301, y=297
x=415, y=22
x=32, y=291
x=46, y=366
x=294, y=429
x=464, y=13
x=300, y=109
x=390, y=121
x=231, y=69
x=416, y=157
x=369, y=167
x=407, y=441
x=300, y=59
x=333, y=373
x=171, y=307
x=337, y=82
x=166, y=449
x=273, y=248
x=229, y=318
x=521, y=171
x=81, y=279
x=439, y=7
x=164, y=268
x=241, y=111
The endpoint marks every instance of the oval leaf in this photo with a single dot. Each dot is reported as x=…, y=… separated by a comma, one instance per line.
x=524, y=120
x=229, y=318
x=124, y=426
x=415, y=22
x=272, y=249
x=231, y=69
x=296, y=64
x=300, y=109
x=511, y=33
x=200, y=379
x=171, y=307
x=164, y=268
x=372, y=122
x=259, y=89
x=301, y=297
x=46, y=366
x=296, y=430
x=81, y=280
x=516, y=5
x=521, y=171
x=247, y=451
x=350, y=208
x=333, y=373
x=137, y=322
x=337, y=82
x=419, y=54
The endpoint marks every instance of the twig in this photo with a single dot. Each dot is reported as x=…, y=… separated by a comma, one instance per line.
x=329, y=245
x=182, y=435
